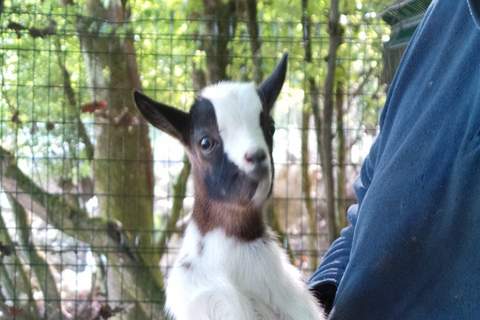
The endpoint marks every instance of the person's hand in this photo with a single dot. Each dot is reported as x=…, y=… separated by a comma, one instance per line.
x=325, y=294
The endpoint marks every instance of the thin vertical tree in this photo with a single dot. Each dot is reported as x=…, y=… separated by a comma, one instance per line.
x=255, y=41
x=341, y=156
x=325, y=130
x=311, y=98
x=221, y=24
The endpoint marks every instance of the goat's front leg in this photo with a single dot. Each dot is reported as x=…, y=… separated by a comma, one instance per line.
x=292, y=298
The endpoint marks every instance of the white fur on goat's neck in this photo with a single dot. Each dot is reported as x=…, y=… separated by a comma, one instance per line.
x=221, y=278
x=237, y=108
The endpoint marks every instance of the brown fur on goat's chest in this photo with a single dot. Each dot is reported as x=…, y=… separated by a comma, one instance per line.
x=242, y=222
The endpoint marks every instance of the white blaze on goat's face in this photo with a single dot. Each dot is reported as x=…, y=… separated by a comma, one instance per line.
x=238, y=110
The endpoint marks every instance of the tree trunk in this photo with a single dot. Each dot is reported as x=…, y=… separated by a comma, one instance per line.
x=255, y=43
x=123, y=159
x=221, y=24
x=306, y=189
x=341, y=156
x=73, y=113
x=335, y=38
x=310, y=99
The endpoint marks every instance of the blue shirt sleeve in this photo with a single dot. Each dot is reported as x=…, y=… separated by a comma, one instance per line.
x=336, y=258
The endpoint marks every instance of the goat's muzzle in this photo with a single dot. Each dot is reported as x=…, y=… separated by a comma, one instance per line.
x=258, y=172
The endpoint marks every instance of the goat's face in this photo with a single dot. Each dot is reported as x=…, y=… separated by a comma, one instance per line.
x=228, y=135
x=231, y=140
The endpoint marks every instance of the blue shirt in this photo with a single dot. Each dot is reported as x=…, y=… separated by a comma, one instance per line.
x=412, y=250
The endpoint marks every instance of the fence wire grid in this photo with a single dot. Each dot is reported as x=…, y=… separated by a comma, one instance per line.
x=94, y=202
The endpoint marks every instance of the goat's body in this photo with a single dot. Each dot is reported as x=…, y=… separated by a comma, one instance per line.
x=217, y=277
x=230, y=267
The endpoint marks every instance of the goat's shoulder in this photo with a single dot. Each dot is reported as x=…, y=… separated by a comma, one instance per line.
x=257, y=271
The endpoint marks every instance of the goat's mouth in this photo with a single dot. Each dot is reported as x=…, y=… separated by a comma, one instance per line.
x=258, y=173
x=260, y=179
x=238, y=186
x=247, y=184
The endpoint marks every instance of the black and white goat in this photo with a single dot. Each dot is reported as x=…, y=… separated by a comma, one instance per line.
x=230, y=266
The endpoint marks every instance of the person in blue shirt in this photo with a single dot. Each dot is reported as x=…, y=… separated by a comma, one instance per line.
x=412, y=249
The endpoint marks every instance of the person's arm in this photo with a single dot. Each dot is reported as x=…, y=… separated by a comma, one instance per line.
x=325, y=280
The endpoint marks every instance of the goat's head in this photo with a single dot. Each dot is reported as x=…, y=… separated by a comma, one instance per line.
x=228, y=136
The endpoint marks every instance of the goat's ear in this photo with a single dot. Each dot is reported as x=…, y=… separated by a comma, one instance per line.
x=270, y=88
x=168, y=119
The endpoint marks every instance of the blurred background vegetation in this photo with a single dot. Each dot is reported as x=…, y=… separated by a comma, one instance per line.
x=93, y=201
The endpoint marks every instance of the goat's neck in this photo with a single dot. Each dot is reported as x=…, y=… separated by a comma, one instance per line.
x=242, y=222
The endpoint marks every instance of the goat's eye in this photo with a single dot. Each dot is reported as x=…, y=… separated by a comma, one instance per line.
x=272, y=127
x=207, y=144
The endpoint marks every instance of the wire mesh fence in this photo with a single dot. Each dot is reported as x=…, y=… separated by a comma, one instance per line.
x=93, y=201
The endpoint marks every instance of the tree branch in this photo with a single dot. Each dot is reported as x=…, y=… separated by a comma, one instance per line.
x=282, y=236
x=40, y=268
x=14, y=268
x=49, y=30
x=103, y=236
x=366, y=77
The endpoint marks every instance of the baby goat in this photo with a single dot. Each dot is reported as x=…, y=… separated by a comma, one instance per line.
x=230, y=266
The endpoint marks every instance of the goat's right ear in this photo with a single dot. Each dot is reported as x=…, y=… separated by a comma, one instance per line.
x=168, y=119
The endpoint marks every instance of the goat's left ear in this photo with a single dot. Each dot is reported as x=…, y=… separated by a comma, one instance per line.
x=168, y=119
x=270, y=88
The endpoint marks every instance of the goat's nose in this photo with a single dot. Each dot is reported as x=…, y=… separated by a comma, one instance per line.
x=255, y=157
